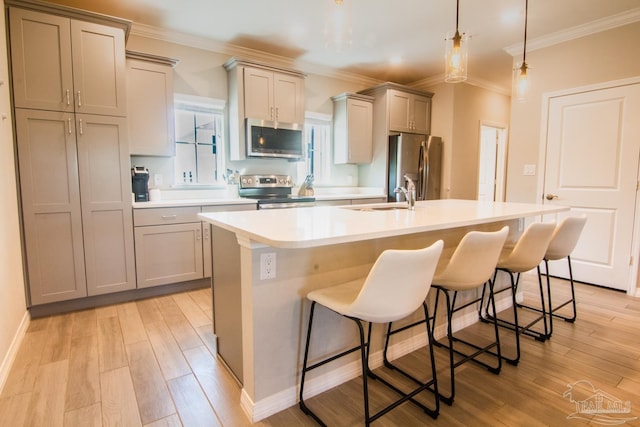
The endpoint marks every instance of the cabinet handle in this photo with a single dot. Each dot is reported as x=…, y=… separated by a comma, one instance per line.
x=197, y=234
x=206, y=233
x=68, y=98
x=168, y=217
x=79, y=100
x=81, y=129
x=69, y=124
x=271, y=114
x=277, y=112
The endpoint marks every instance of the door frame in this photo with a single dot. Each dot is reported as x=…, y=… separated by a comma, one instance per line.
x=501, y=157
x=632, y=277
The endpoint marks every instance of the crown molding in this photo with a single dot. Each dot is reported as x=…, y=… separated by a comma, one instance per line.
x=211, y=45
x=576, y=32
x=484, y=84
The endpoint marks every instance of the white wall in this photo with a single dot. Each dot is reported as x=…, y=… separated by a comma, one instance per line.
x=13, y=313
x=606, y=56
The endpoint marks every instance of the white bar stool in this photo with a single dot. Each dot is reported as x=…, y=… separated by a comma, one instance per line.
x=526, y=255
x=471, y=266
x=396, y=286
x=563, y=242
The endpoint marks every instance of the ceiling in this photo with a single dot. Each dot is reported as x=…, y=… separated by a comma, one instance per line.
x=400, y=41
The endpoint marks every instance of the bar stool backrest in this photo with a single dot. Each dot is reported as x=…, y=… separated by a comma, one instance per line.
x=530, y=248
x=565, y=237
x=474, y=260
x=397, y=284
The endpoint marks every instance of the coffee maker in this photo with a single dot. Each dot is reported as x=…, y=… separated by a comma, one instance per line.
x=140, y=183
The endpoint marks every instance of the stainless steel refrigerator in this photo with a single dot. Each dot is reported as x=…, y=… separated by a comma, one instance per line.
x=420, y=158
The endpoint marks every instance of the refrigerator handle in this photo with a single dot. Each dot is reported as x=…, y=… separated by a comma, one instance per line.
x=423, y=171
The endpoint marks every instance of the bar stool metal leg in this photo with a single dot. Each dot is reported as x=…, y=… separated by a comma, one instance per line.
x=451, y=309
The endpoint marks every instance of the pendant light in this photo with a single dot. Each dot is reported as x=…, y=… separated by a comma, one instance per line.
x=338, y=34
x=521, y=74
x=456, y=54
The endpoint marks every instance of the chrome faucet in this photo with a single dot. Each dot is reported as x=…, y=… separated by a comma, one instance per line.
x=409, y=192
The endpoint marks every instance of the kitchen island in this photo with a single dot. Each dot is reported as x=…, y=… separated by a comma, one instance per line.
x=265, y=262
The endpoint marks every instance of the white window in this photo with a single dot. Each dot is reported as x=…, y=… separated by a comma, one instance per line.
x=199, y=140
x=317, y=136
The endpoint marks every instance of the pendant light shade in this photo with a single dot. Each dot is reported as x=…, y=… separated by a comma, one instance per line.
x=521, y=75
x=456, y=54
x=338, y=33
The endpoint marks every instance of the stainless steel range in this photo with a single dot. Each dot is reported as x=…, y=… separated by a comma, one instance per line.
x=272, y=192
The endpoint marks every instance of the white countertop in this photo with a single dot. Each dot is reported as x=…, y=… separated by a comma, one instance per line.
x=193, y=202
x=213, y=201
x=320, y=226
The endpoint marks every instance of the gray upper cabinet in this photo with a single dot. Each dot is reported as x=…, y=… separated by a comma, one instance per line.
x=63, y=64
x=273, y=96
x=352, y=128
x=409, y=112
x=150, y=105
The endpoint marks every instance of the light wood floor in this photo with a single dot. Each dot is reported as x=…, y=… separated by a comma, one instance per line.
x=152, y=363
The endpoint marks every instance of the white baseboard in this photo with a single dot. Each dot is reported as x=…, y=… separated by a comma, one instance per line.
x=12, y=351
x=275, y=403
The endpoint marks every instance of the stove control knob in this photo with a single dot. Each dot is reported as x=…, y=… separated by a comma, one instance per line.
x=250, y=181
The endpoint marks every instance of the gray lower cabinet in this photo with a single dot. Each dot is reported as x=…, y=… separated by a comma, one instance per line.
x=173, y=245
x=168, y=245
x=76, y=204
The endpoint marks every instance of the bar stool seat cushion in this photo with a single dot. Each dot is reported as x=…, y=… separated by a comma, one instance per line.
x=395, y=287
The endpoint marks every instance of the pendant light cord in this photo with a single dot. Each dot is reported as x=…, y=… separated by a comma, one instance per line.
x=526, y=13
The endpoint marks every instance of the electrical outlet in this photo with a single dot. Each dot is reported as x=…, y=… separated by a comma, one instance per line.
x=157, y=180
x=268, y=266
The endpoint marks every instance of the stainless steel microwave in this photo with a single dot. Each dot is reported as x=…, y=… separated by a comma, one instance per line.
x=271, y=139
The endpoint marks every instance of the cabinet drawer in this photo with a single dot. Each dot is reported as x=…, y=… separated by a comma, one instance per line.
x=161, y=216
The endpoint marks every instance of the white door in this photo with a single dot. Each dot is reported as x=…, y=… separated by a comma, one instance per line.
x=593, y=142
x=491, y=170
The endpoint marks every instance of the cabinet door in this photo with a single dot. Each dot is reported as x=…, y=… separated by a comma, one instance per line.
x=168, y=254
x=41, y=60
x=399, y=111
x=421, y=114
x=258, y=94
x=360, y=131
x=150, y=109
x=99, y=69
x=103, y=161
x=288, y=98
x=50, y=205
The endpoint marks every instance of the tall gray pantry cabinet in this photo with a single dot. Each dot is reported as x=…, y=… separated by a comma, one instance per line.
x=69, y=92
